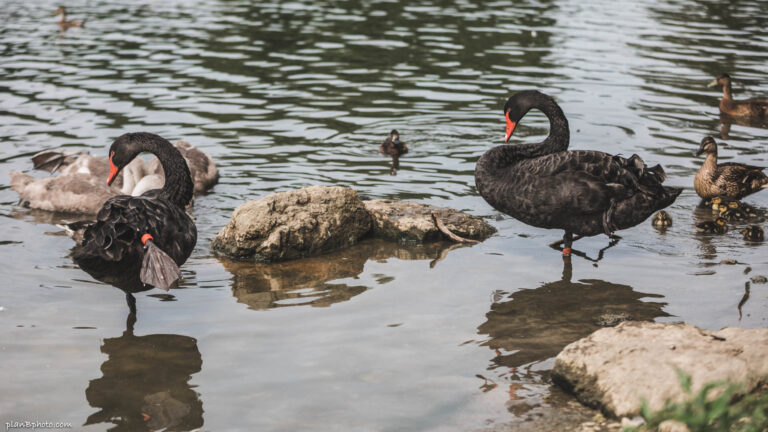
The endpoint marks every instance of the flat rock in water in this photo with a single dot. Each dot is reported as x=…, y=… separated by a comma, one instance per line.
x=294, y=224
x=410, y=221
x=617, y=368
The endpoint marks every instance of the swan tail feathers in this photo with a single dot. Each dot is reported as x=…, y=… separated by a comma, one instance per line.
x=639, y=207
x=157, y=268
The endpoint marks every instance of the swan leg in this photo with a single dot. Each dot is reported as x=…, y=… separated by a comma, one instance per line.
x=567, y=243
x=559, y=242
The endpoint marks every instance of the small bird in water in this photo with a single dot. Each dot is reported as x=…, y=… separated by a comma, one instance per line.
x=731, y=214
x=392, y=146
x=64, y=23
x=753, y=109
x=728, y=180
x=753, y=233
x=662, y=220
x=717, y=226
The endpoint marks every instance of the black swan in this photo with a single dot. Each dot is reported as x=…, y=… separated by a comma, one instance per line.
x=80, y=188
x=64, y=23
x=583, y=192
x=149, y=235
x=754, y=109
x=731, y=180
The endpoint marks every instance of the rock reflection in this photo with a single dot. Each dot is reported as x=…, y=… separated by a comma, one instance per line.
x=308, y=281
x=533, y=325
x=145, y=383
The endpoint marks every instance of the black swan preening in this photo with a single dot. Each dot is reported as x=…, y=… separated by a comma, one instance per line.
x=149, y=235
x=583, y=192
x=731, y=180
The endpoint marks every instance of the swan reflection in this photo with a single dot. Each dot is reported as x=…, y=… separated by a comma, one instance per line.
x=145, y=383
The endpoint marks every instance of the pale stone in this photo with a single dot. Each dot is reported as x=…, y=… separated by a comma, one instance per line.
x=410, y=221
x=617, y=368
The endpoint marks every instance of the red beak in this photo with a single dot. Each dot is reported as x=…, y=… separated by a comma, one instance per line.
x=510, y=128
x=112, y=172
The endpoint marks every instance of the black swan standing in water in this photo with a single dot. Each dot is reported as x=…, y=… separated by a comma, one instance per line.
x=149, y=235
x=583, y=192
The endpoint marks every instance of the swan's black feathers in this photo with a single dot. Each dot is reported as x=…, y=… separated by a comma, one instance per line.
x=113, y=243
x=123, y=220
x=583, y=192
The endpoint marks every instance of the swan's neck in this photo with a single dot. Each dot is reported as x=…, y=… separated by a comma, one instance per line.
x=557, y=141
x=178, y=186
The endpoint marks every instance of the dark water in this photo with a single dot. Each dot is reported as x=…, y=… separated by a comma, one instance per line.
x=285, y=95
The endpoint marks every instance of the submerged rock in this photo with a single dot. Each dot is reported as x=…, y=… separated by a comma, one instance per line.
x=410, y=221
x=617, y=368
x=294, y=224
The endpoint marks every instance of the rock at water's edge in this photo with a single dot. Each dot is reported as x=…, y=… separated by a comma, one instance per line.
x=617, y=368
x=410, y=221
x=294, y=224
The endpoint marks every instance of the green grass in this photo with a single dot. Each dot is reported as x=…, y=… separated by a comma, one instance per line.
x=730, y=411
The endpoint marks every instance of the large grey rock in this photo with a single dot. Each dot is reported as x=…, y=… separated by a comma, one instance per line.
x=617, y=368
x=410, y=221
x=294, y=224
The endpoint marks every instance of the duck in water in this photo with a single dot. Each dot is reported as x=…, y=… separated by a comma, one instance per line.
x=64, y=23
x=395, y=148
x=726, y=180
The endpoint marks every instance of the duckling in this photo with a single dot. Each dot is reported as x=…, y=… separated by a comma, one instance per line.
x=748, y=210
x=753, y=108
x=64, y=23
x=715, y=203
x=393, y=146
x=729, y=180
x=718, y=226
x=732, y=214
x=661, y=220
x=753, y=233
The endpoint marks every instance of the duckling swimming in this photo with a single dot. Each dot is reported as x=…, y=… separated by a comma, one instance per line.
x=748, y=210
x=393, y=146
x=728, y=180
x=717, y=226
x=753, y=233
x=661, y=220
x=732, y=214
x=64, y=23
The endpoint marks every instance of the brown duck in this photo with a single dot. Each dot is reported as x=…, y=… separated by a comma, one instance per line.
x=64, y=23
x=753, y=109
x=393, y=146
x=731, y=180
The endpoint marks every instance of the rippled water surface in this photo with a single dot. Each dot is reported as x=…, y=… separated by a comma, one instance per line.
x=289, y=94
